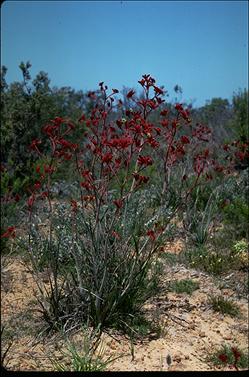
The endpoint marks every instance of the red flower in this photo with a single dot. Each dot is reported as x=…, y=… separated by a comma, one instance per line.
x=206, y=153
x=240, y=155
x=74, y=205
x=118, y=203
x=48, y=169
x=199, y=164
x=107, y=157
x=226, y=147
x=153, y=142
x=185, y=139
x=115, y=90
x=142, y=82
x=144, y=160
x=218, y=168
x=30, y=201
x=152, y=104
x=158, y=90
x=86, y=185
x=58, y=121
x=67, y=156
x=130, y=94
x=37, y=185
x=118, y=162
x=17, y=198
x=143, y=179
x=65, y=143
x=164, y=112
x=223, y=358
x=178, y=107
x=151, y=234
x=82, y=118
x=164, y=122
x=236, y=353
x=122, y=142
x=10, y=232
x=87, y=198
x=34, y=145
x=44, y=194
x=116, y=234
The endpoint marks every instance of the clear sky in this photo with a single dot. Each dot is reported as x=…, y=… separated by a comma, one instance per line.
x=200, y=45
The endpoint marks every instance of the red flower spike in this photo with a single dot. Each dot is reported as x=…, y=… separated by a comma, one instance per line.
x=144, y=179
x=130, y=94
x=142, y=82
x=164, y=112
x=158, y=130
x=223, y=358
x=153, y=142
x=34, y=144
x=236, y=353
x=44, y=194
x=82, y=118
x=87, y=198
x=37, y=185
x=30, y=201
x=58, y=121
x=164, y=123
x=67, y=156
x=136, y=176
x=38, y=169
x=74, y=205
x=107, y=157
x=115, y=90
x=86, y=185
x=158, y=90
x=115, y=234
x=185, y=139
x=10, y=232
x=17, y=198
x=48, y=169
x=144, y=160
x=118, y=203
x=178, y=106
x=151, y=234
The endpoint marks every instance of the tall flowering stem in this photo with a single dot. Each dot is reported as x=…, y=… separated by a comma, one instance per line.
x=113, y=237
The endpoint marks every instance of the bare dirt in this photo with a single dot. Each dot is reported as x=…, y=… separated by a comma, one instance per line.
x=191, y=330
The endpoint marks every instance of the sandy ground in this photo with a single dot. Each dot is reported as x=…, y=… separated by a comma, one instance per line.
x=191, y=329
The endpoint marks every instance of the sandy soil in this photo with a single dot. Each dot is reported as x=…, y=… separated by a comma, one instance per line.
x=191, y=329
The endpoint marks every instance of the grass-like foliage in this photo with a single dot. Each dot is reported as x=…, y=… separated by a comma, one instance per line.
x=184, y=286
x=224, y=306
x=89, y=358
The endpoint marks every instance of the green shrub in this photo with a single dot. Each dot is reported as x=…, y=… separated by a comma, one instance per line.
x=237, y=214
x=90, y=359
x=206, y=260
x=224, y=306
x=198, y=222
x=184, y=286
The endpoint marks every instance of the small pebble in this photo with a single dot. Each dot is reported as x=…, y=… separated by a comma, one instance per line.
x=202, y=334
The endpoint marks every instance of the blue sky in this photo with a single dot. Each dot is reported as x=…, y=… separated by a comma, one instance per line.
x=200, y=45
